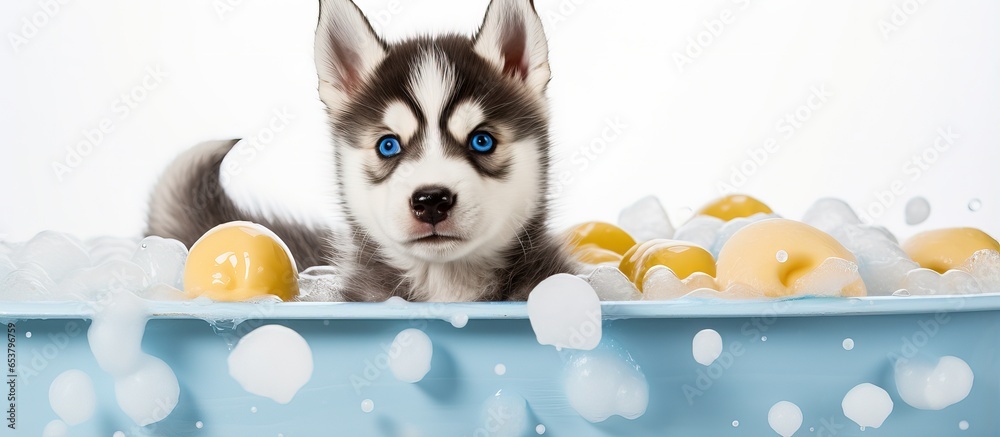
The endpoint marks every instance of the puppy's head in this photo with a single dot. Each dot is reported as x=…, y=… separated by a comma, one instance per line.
x=441, y=143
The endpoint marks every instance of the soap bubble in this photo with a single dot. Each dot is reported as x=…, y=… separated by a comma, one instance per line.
x=917, y=210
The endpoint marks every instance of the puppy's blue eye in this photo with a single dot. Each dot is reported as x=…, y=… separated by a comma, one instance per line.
x=482, y=142
x=389, y=146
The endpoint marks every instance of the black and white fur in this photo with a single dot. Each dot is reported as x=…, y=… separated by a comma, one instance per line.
x=432, y=93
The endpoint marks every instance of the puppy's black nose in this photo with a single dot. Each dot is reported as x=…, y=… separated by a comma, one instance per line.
x=431, y=204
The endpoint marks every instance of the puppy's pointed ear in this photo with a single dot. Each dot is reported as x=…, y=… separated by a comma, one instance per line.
x=347, y=51
x=512, y=39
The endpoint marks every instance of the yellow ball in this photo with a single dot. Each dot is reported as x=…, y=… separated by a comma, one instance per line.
x=599, y=234
x=680, y=257
x=734, y=206
x=945, y=249
x=751, y=257
x=238, y=261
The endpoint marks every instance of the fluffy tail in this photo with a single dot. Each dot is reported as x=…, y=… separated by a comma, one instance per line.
x=189, y=200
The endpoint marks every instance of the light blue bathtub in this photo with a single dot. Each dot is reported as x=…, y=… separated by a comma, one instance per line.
x=802, y=360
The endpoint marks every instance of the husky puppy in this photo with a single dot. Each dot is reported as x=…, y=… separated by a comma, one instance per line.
x=442, y=160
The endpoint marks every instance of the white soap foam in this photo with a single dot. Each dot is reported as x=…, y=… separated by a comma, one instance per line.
x=145, y=387
x=848, y=344
x=827, y=279
x=706, y=346
x=917, y=210
x=612, y=285
x=56, y=253
x=540, y=429
x=162, y=259
x=963, y=425
x=784, y=417
x=412, y=359
x=927, y=282
x=72, y=397
x=500, y=369
x=933, y=386
x=867, y=404
x=505, y=414
x=603, y=383
x=565, y=312
x=459, y=320
x=646, y=220
x=828, y=214
x=736, y=423
x=253, y=361
x=367, y=405
x=55, y=428
x=118, y=434
x=199, y=424
x=660, y=283
x=149, y=394
x=701, y=230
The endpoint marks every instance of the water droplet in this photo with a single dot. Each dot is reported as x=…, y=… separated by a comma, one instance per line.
x=198, y=424
x=367, y=405
x=975, y=204
x=500, y=369
x=143, y=245
x=326, y=323
x=963, y=425
x=27, y=334
x=253, y=409
x=736, y=423
x=848, y=344
x=781, y=256
x=812, y=429
x=862, y=428
x=763, y=338
x=540, y=429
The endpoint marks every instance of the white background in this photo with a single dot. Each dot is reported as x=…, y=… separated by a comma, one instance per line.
x=228, y=69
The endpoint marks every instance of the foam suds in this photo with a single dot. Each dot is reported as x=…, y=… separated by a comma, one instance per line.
x=145, y=387
x=55, y=428
x=412, y=360
x=606, y=382
x=565, y=312
x=505, y=414
x=72, y=397
x=867, y=404
x=254, y=360
x=935, y=386
x=706, y=346
x=459, y=320
x=784, y=417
